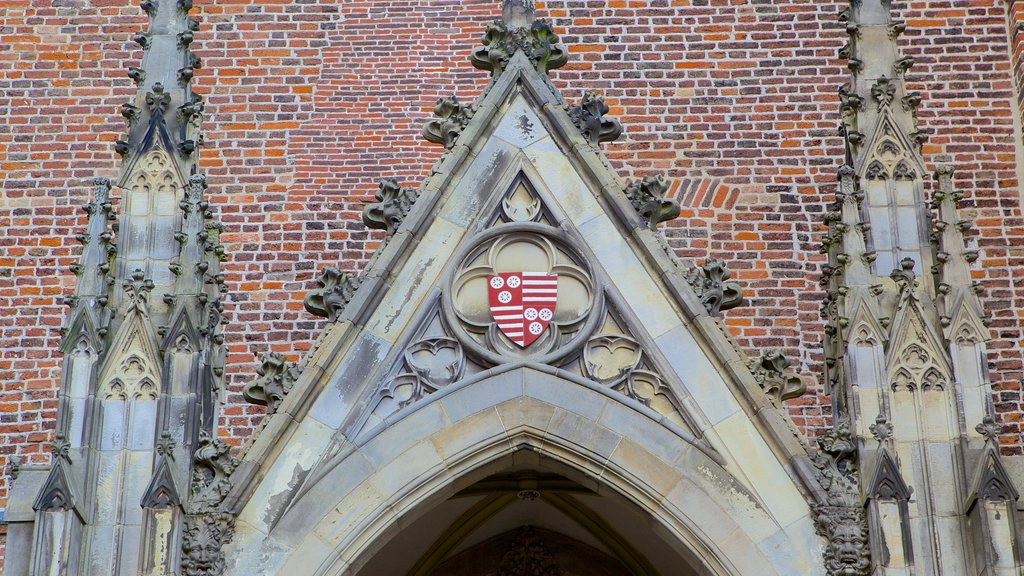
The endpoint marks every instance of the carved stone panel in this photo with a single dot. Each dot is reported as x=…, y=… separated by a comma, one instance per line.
x=517, y=248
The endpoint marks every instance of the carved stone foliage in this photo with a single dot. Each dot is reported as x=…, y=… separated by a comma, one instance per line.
x=452, y=117
x=521, y=247
x=336, y=290
x=614, y=360
x=212, y=465
x=770, y=372
x=207, y=526
x=883, y=91
x=711, y=282
x=393, y=203
x=840, y=517
x=588, y=116
x=527, y=556
x=537, y=41
x=429, y=364
x=648, y=198
x=276, y=379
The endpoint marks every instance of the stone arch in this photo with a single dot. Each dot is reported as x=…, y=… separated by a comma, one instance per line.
x=364, y=495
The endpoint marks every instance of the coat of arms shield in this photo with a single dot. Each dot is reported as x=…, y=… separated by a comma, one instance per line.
x=522, y=303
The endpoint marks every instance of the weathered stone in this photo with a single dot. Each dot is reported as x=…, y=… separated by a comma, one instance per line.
x=711, y=282
x=452, y=116
x=275, y=381
x=393, y=204
x=588, y=116
x=336, y=290
x=648, y=198
x=769, y=371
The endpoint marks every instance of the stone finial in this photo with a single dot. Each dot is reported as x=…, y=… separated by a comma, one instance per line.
x=881, y=429
x=648, y=198
x=711, y=283
x=989, y=429
x=503, y=39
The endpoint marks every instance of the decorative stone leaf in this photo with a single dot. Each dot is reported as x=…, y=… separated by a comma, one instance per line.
x=212, y=465
x=588, y=116
x=452, y=116
x=711, y=282
x=769, y=371
x=393, y=203
x=336, y=290
x=883, y=91
x=276, y=380
x=648, y=197
x=502, y=40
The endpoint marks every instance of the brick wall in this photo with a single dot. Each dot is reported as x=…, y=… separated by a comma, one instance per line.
x=310, y=103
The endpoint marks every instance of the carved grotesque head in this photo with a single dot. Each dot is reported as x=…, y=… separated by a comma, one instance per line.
x=204, y=537
x=847, y=554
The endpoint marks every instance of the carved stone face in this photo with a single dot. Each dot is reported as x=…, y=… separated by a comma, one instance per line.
x=202, y=545
x=848, y=558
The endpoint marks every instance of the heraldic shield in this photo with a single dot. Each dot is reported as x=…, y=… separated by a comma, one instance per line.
x=522, y=303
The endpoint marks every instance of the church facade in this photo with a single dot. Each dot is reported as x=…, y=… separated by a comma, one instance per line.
x=524, y=378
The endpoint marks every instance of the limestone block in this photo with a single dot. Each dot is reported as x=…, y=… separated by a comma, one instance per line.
x=307, y=445
x=348, y=477
x=702, y=381
x=418, y=424
x=624, y=270
x=745, y=448
x=630, y=423
x=478, y=180
x=334, y=402
x=405, y=296
x=483, y=394
x=468, y=435
x=307, y=559
x=779, y=550
x=564, y=395
x=525, y=412
x=519, y=124
x=574, y=198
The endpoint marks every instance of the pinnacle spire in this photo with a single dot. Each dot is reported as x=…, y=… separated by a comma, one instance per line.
x=160, y=152
x=518, y=13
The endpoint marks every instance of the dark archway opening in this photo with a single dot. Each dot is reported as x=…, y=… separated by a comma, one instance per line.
x=532, y=518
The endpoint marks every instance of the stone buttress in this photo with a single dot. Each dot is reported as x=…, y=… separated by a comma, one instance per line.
x=905, y=341
x=142, y=346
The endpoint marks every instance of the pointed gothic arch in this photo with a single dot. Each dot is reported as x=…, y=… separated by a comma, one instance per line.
x=368, y=493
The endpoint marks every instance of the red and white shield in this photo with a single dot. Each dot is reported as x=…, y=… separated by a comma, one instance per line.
x=522, y=303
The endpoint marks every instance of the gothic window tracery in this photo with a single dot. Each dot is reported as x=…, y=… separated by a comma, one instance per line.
x=892, y=204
